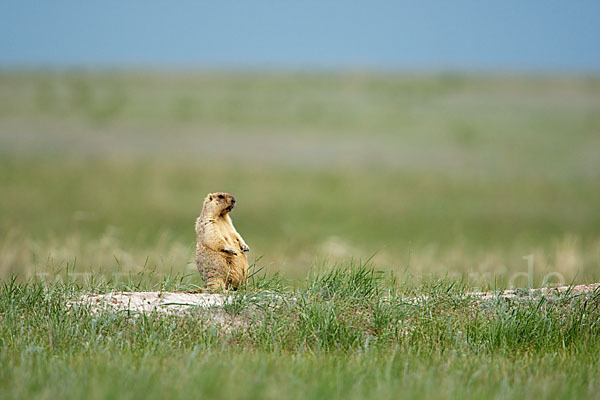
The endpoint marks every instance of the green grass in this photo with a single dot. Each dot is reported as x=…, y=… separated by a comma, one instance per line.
x=446, y=182
x=450, y=175
x=106, y=215
x=349, y=334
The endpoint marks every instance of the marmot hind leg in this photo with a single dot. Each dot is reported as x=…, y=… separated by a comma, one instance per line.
x=216, y=285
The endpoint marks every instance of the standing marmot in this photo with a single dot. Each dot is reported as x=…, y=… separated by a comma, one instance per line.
x=220, y=250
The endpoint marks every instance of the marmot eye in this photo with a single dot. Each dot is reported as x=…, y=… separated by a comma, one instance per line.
x=221, y=196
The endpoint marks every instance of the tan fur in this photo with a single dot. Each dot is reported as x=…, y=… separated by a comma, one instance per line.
x=220, y=250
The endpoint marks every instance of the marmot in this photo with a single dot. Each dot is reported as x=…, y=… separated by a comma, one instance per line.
x=220, y=250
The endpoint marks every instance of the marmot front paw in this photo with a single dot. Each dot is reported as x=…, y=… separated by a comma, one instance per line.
x=229, y=251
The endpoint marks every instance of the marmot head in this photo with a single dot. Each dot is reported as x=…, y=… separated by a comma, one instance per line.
x=219, y=203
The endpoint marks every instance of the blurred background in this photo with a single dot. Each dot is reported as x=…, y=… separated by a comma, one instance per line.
x=452, y=139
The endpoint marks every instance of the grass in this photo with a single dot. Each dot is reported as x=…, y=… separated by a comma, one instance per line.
x=107, y=215
x=443, y=175
x=348, y=334
x=446, y=182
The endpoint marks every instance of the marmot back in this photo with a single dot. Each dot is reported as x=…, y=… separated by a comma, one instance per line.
x=220, y=250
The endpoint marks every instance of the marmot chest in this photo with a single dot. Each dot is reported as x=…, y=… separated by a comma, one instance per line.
x=225, y=229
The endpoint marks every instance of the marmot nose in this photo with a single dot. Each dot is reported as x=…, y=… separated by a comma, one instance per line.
x=232, y=200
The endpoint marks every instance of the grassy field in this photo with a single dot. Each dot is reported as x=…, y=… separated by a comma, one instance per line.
x=350, y=333
x=446, y=182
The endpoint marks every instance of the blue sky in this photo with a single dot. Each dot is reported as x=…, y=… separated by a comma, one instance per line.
x=514, y=35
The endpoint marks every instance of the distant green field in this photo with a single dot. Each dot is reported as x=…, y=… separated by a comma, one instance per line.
x=452, y=175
